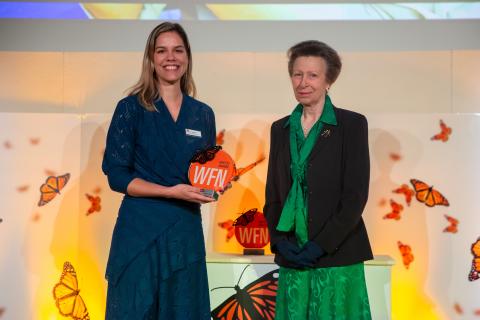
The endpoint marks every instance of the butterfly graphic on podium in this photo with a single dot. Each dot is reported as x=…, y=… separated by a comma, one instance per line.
x=255, y=301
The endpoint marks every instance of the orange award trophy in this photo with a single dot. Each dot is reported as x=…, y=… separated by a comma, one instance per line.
x=211, y=170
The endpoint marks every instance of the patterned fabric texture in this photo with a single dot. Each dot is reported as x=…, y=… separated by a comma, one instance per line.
x=168, y=280
x=336, y=293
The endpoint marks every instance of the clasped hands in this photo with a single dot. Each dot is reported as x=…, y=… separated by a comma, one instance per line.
x=301, y=258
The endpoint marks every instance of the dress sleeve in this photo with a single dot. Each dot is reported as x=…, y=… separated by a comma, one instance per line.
x=120, y=150
x=356, y=179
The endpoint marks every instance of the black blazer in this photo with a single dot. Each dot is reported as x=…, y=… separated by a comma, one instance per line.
x=338, y=175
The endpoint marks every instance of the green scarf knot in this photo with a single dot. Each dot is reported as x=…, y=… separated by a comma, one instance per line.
x=294, y=216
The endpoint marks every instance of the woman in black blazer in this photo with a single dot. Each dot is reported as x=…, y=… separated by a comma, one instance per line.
x=317, y=187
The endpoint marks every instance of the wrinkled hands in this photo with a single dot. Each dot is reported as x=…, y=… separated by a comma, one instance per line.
x=189, y=193
x=300, y=258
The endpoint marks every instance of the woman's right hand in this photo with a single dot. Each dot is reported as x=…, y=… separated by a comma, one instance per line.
x=188, y=193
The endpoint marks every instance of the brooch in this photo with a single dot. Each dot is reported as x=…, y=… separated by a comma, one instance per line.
x=325, y=133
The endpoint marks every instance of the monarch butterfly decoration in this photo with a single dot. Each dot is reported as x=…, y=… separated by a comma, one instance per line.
x=396, y=210
x=34, y=141
x=245, y=218
x=49, y=172
x=95, y=205
x=406, y=191
x=458, y=308
x=219, y=138
x=206, y=155
x=67, y=295
x=444, y=133
x=453, y=226
x=228, y=225
x=406, y=252
x=23, y=188
x=395, y=156
x=97, y=190
x=255, y=301
x=7, y=145
x=426, y=194
x=382, y=202
x=475, y=271
x=241, y=171
x=52, y=186
x=36, y=217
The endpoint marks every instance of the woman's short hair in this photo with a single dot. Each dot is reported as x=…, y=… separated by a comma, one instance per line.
x=147, y=86
x=314, y=48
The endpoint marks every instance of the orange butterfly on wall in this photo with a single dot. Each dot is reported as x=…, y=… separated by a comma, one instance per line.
x=23, y=188
x=444, y=133
x=255, y=301
x=475, y=271
x=95, y=205
x=382, y=202
x=396, y=210
x=406, y=191
x=228, y=225
x=395, y=156
x=7, y=145
x=426, y=194
x=458, y=308
x=476, y=312
x=453, y=227
x=219, y=138
x=67, y=295
x=36, y=217
x=49, y=172
x=242, y=171
x=2, y=311
x=52, y=186
x=34, y=141
x=406, y=252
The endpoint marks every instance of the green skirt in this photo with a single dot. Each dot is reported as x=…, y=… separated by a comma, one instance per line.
x=324, y=293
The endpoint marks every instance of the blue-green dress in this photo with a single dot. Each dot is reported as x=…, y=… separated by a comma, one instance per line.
x=156, y=268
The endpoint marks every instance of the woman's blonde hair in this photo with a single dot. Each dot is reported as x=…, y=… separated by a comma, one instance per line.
x=147, y=86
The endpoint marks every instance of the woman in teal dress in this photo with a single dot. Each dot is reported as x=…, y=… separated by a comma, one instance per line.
x=156, y=268
x=317, y=187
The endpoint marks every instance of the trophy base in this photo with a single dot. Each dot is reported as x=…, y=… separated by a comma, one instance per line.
x=209, y=193
x=253, y=252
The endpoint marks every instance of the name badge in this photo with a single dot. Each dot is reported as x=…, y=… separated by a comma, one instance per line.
x=193, y=133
